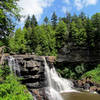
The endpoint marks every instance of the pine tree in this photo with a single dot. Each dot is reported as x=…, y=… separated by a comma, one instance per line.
x=96, y=24
x=28, y=22
x=54, y=20
x=46, y=20
x=33, y=21
x=61, y=34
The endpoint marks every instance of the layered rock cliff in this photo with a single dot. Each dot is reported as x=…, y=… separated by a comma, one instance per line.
x=72, y=54
x=32, y=71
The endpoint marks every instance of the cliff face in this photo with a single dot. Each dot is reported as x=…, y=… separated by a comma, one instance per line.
x=73, y=54
x=31, y=70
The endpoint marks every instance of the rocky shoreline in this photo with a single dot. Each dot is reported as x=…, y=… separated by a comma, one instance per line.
x=87, y=84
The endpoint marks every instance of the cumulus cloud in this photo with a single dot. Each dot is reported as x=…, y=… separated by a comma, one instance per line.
x=36, y=7
x=84, y=3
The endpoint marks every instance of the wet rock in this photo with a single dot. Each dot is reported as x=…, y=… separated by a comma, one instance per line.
x=93, y=88
x=98, y=90
x=80, y=84
x=51, y=59
x=86, y=86
x=39, y=94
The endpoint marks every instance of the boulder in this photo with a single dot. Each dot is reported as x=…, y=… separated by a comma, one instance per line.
x=93, y=88
x=51, y=59
x=98, y=90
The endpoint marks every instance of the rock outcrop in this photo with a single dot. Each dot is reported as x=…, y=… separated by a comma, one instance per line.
x=87, y=84
x=72, y=54
x=32, y=72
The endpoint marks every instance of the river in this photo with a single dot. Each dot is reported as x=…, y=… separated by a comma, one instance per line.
x=80, y=96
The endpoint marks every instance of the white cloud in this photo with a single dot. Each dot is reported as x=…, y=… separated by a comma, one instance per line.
x=67, y=1
x=78, y=4
x=84, y=3
x=66, y=9
x=36, y=7
x=90, y=2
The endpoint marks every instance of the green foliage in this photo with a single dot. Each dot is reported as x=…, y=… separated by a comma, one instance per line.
x=49, y=38
x=72, y=72
x=1, y=43
x=46, y=20
x=67, y=73
x=27, y=22
x=54, y=20
x=33, y=21
x=10, y=87
x=61, y=34
x=45, y=38
x=30, y=22
x=96, y=25
x=95, y=74
x=80, y=69
x=4, y=71
x=78, y=32
x=18, y=42
x=8, y=11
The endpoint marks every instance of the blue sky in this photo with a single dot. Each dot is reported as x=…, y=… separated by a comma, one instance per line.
x=42, y=8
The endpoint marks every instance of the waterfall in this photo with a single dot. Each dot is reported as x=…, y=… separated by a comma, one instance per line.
x=56, y=84
x=14, y=66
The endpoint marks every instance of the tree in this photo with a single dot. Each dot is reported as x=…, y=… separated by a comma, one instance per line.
x=33, y=21
x=27, y=22
x=90, y=33
x=9, y=13
x=54, y=20
x=96, y=24
x=82, y=15
x=46, y=20
x=45, y=39
x=18, y=43
x=61, y=34
x=68, y=18
x=78, y=33
x=74, y=18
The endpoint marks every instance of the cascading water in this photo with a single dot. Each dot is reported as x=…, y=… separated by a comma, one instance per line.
x=56, y=84
x=14, y=67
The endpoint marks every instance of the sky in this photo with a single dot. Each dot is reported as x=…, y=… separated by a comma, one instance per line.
x=42, y=8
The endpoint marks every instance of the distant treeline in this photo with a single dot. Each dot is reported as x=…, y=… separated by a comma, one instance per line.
x=48, y=38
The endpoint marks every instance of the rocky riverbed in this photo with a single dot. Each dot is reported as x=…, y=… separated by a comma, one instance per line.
x=87, y=84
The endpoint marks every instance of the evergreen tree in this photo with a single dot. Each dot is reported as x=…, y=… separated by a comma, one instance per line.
x=27, y=22
x=90, y=33
x=61, y=34
x=82, y=15
x=74, y=18
x=68, y=18
x=46, y=20
x=54, y=20
x=33, y=21
x=18, y=43
x=96, y=24
x=78, y=33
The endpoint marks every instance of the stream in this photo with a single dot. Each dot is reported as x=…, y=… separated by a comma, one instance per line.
x=80, y=96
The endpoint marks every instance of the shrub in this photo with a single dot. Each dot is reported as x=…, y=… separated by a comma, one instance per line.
x=95, y=74
x=10, y=87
